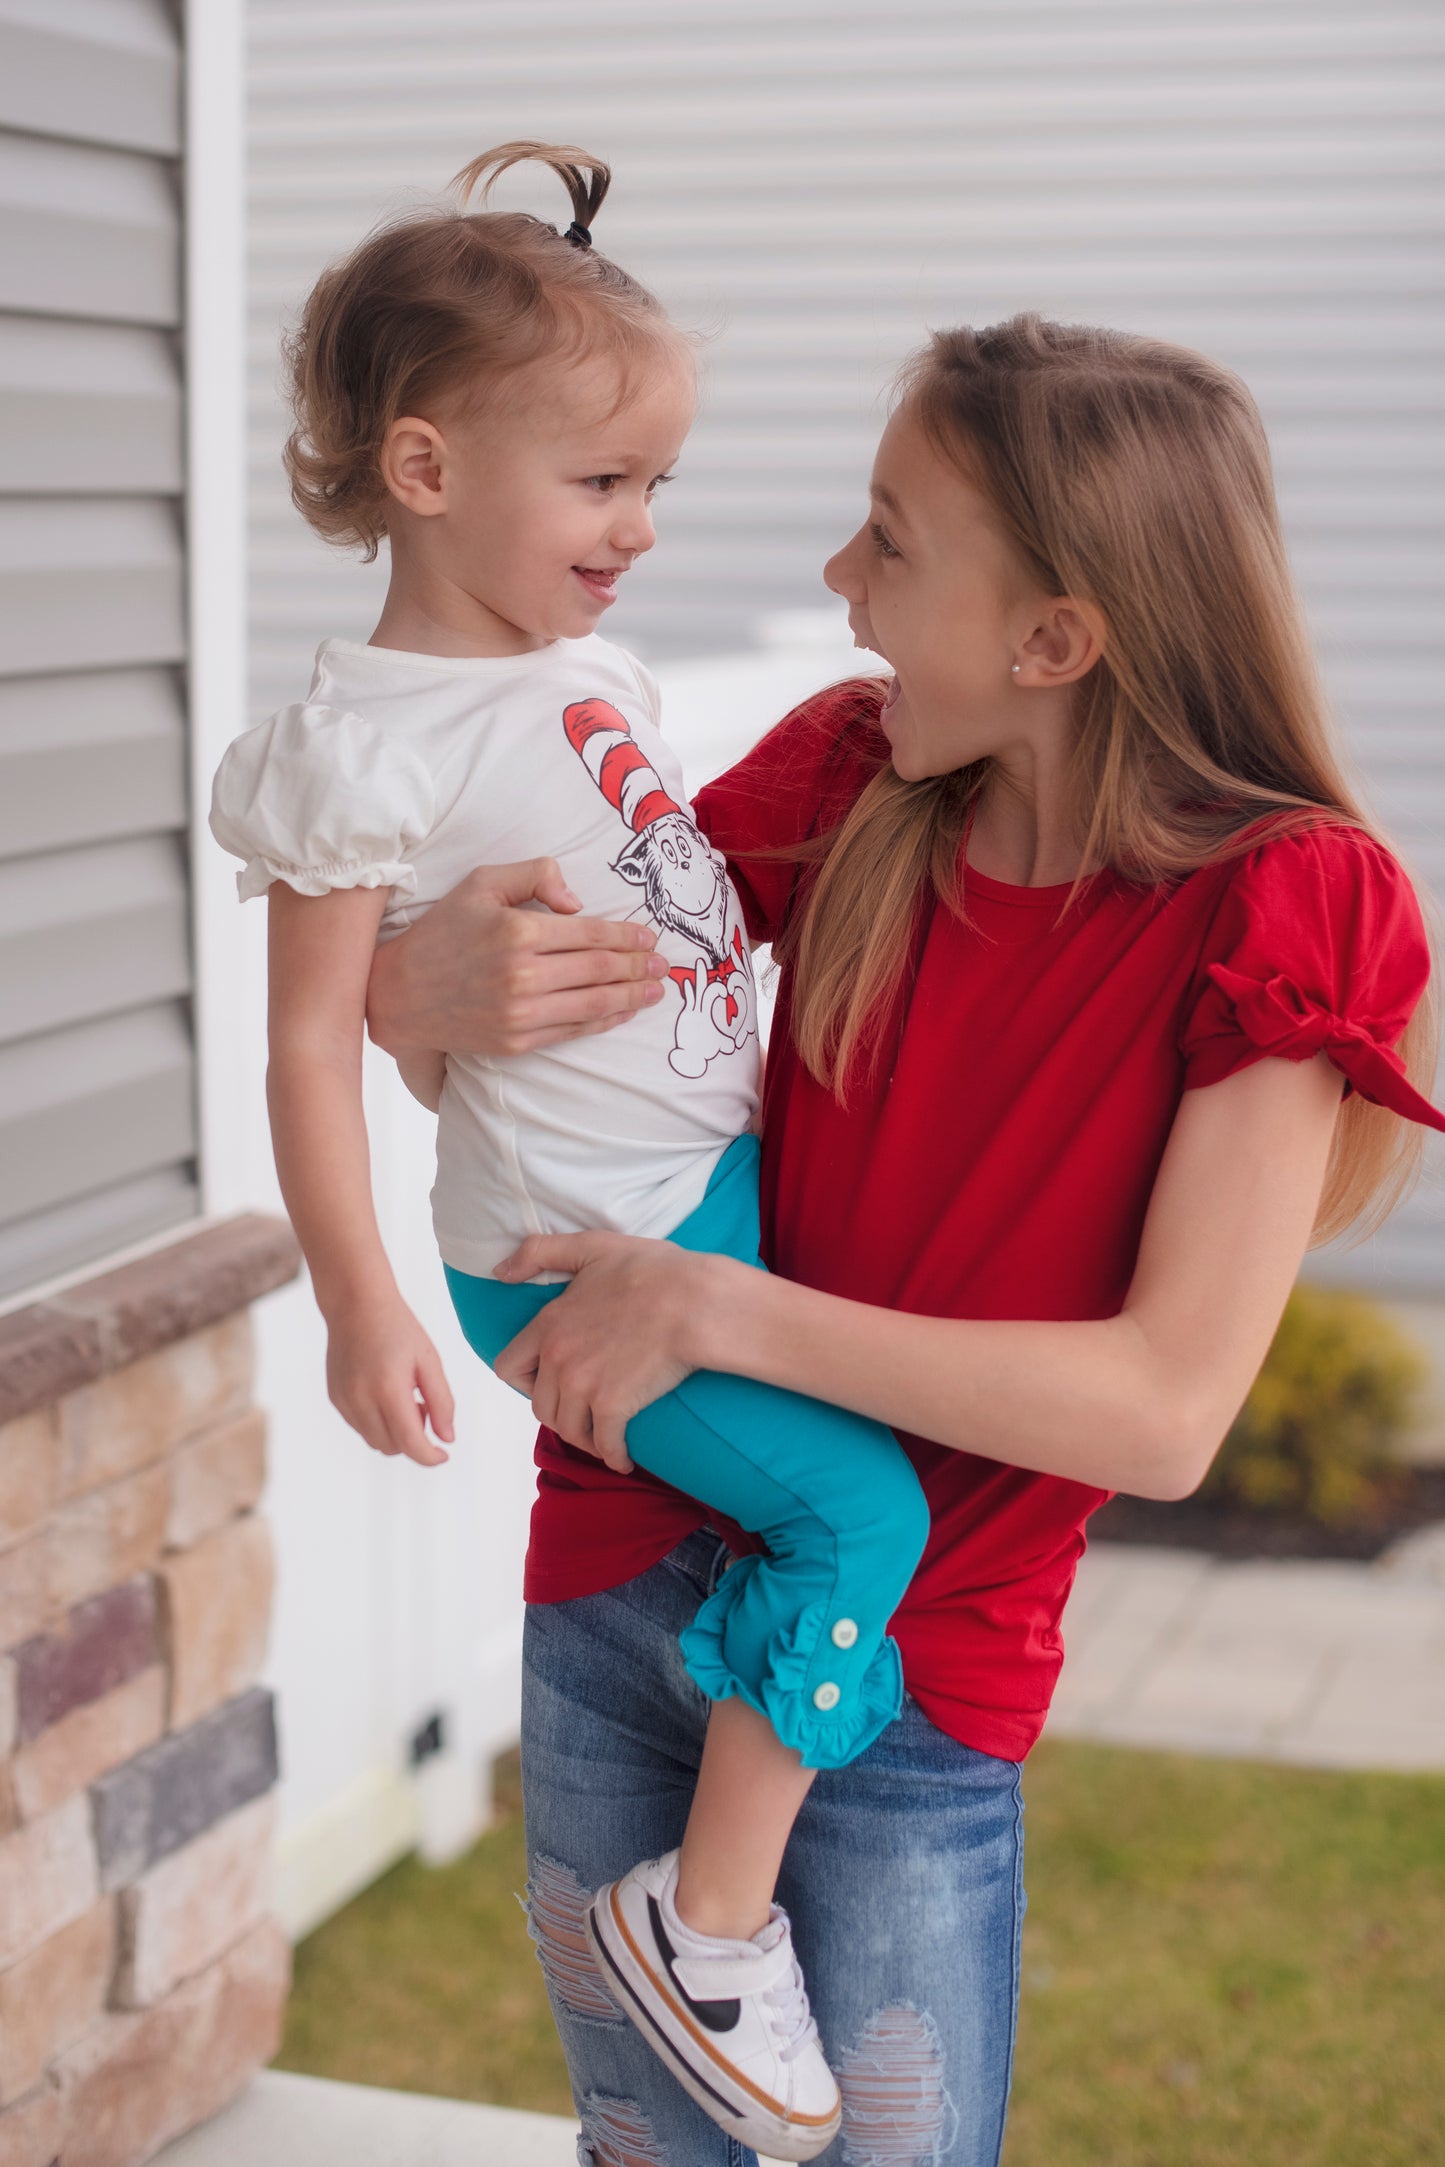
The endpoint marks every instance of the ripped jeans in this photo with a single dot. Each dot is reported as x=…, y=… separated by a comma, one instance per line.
x=903, y=1877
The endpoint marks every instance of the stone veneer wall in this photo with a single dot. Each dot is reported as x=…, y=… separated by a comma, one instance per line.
x=141, y=1980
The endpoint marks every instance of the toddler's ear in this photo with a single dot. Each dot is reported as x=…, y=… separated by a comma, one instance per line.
x=413, y=465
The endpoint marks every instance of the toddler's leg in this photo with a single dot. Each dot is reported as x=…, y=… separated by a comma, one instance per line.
x=750, y=1788
x=799, y=1633
x=793, y=1650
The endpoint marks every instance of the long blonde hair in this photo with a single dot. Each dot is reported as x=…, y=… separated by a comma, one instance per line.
x=1134, y=475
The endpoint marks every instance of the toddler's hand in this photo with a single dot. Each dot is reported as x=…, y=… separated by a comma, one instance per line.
x=385, y=1377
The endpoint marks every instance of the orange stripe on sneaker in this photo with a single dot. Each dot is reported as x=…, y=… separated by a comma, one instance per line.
x=764, y=2099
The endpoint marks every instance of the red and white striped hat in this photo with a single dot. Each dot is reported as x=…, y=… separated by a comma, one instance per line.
x=616, y=763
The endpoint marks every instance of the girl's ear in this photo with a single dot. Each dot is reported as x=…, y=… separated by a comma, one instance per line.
x=1063, y=646
x=414, y=466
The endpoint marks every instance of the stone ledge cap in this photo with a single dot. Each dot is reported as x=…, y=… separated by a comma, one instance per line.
x=104, y=1323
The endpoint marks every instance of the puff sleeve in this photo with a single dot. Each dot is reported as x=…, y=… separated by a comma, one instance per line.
x=320, y=798
x=1318, y=946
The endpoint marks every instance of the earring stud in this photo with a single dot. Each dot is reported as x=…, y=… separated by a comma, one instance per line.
x=1016, y=669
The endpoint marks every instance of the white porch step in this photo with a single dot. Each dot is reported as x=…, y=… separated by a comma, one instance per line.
x=287, y=2121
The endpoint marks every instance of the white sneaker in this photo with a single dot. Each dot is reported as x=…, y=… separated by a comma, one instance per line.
x=730, y=2018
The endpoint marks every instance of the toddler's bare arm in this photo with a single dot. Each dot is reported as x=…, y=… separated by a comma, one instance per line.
x=378, y=1357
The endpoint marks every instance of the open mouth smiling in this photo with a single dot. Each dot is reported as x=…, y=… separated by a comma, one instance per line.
x=600, y=580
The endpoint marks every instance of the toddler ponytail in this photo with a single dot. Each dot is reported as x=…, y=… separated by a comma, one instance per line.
x=585, y=178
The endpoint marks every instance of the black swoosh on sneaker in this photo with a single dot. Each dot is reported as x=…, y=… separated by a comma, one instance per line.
x=666, y=2050
x=717, y=2016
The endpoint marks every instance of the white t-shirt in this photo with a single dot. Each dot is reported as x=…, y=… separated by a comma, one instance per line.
x=406, y=771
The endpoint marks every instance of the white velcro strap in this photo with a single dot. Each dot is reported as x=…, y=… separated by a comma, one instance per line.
x=726, y=1978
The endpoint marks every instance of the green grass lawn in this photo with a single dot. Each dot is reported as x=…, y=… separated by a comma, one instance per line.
x=1225, y=1965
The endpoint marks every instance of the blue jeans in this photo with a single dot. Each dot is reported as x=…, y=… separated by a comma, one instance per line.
x=903, y=1877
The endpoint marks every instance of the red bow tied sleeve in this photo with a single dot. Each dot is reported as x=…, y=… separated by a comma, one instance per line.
x=1278, y=1020
x=1317, y=947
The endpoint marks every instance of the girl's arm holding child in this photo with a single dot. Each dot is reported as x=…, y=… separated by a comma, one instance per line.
x=382, y=1372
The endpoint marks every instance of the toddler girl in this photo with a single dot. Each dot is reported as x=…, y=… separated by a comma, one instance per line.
x=502, y=403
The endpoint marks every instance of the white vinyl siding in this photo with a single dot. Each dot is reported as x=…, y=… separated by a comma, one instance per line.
x=814, y=185
x=97, y=1121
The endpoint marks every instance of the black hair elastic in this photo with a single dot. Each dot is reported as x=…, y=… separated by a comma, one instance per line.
x=578, y=235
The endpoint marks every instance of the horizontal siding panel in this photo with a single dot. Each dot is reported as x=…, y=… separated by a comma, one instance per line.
x=87, y=232
x=1199, y=275
x=749, y=42
x=871, y=341
x=1167, y=51
x=100, y=1103
x=88, y=932
x=44, y=1244
x=800, y=274
x=1124, y=214
x=996, y=155
x=1371, y=444
x=101, y=76
x=1332, y=391
x=1291, y=334
x=88, y=583
x=97, y=1084
x=1416, y=1237
x=85, y=757
x=696, y=118
x=86, y=408
x=518, y=25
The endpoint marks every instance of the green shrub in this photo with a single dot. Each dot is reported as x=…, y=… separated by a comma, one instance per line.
x=1319, y=1432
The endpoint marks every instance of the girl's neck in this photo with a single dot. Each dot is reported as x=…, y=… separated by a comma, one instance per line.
x=1024, y=830
x=427, y=615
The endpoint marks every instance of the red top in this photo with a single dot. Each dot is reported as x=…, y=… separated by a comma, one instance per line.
x=1002, y=1163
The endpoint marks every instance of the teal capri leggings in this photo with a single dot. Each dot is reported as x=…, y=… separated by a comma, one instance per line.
x=800, y=1634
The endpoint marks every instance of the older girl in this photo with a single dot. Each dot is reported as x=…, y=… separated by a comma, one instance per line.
x=1101, y=999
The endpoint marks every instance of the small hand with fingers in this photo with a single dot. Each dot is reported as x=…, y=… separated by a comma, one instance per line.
x=385, y=1378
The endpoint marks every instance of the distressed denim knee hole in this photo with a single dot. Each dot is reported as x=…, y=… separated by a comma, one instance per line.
x=616, y=2133
x=557, y=1921
x=896, y=2109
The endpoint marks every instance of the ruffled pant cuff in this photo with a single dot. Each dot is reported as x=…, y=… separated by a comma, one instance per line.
x=783, y=1692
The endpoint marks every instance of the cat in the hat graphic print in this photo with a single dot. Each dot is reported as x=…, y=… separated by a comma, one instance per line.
x=684, y=886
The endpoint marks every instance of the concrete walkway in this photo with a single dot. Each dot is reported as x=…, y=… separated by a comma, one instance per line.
x=286, y=2121
x=1324, y=1665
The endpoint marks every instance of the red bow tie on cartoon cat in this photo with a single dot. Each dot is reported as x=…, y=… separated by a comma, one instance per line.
x=684, y=883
